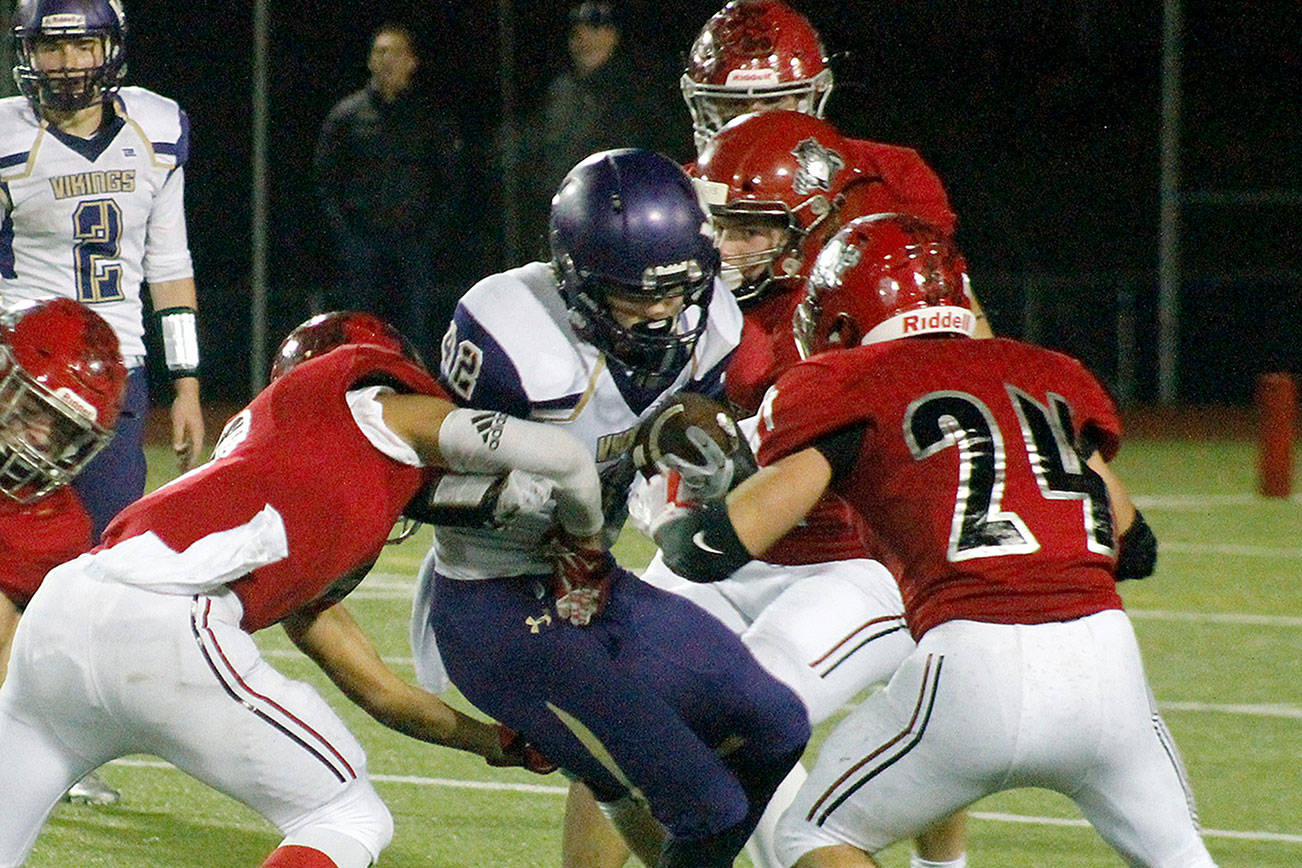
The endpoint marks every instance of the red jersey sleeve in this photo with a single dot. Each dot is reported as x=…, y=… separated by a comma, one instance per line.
x=36, y=538
x=809, y=400
x=1096, y=420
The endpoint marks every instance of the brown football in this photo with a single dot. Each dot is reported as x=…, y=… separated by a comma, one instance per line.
x=665, y=433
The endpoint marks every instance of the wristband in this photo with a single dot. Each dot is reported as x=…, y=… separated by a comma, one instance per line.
x=1136, y=551
x=180, y=341
x=457, y=500
x=702, y=545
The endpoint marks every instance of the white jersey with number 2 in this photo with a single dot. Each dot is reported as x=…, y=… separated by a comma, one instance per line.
x=91, y=219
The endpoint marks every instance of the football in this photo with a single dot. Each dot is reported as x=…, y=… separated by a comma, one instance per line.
x=666, y=433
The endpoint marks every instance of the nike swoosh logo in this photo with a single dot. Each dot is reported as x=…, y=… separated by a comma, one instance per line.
x=698, y=540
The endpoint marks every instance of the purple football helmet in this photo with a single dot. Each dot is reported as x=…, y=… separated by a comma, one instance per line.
x=38, y=21
x=627, y=223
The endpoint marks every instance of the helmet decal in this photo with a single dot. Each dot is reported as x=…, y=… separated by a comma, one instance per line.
x=818, y=165
x=834, y=260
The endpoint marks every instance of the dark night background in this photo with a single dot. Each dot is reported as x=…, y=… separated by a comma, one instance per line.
x=1042, y=118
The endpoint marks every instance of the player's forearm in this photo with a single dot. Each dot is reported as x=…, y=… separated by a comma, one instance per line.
x=174, y=303
x=187, y=388
x=337, y=644
x=1123, y=508
x=774, y=500
x=709, y=541
x=484, y=442
x=174, y=293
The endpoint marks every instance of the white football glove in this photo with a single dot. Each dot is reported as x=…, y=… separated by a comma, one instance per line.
x=523, y=492
x=659, y=500
x=705, y=481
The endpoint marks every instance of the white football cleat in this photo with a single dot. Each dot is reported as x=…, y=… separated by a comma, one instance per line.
x=91, y=790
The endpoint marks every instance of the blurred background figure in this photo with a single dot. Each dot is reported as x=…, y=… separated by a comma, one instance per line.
x=600, y=101
x=390, y=178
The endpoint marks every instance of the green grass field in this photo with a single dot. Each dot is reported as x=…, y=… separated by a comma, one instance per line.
x=1220, y=624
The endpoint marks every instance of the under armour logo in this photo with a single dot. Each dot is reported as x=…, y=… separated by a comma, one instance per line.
x=535, y=624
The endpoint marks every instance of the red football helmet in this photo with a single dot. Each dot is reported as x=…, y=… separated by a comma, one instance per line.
x=882, y=277
x=326, y=331
x=781, y=167
x=752, y=55
x=62, y=384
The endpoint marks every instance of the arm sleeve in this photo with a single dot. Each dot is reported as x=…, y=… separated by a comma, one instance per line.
x=808, y=403
x=482, y=441
x=1100, y=424
x=369, y=416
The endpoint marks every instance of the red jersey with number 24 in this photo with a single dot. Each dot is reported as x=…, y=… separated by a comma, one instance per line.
x=969, y=469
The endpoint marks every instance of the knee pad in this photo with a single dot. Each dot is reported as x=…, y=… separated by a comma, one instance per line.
x=355, y=825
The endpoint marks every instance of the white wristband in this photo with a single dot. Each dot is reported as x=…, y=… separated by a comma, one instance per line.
x=481, y=441
x=180, y=341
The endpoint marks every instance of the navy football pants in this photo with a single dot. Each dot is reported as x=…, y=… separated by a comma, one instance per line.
x=116, y=476
x=654, y=686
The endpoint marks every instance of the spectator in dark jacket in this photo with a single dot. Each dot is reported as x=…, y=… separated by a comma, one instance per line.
x=390, y=176
x=601, y=101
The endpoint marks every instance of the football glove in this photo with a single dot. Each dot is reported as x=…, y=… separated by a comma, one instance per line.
x=709, y=479
x=517, y=751
x=657, y=501
x=581, y=575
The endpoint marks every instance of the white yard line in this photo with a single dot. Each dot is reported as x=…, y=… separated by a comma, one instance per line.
x=1229, y=550
x=1216, y=618
x=1181, y=502
x=997, y=817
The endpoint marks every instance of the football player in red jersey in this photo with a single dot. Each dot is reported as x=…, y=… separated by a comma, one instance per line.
x=779, y=184
x=756, y=56
x=752, y=56
x=144, y=645
x=984, y=466
x=62, y=385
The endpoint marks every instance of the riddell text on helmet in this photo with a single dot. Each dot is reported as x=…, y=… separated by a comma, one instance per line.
x=938, y=321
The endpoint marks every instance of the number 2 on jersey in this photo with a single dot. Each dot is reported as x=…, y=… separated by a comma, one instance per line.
x=981, y=528
x=97, y=231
